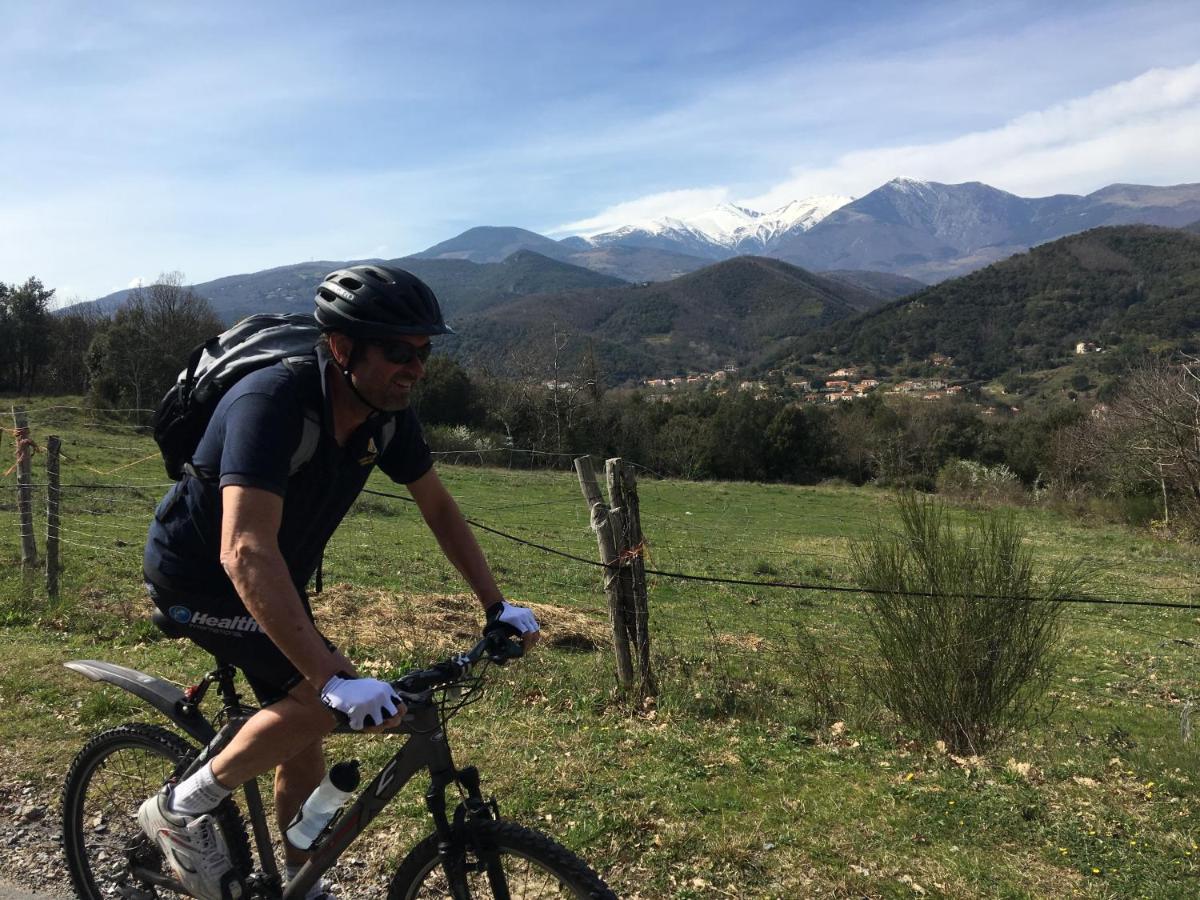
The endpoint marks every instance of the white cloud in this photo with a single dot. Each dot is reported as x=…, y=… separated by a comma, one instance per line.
x=676, y=204
x=1146, y=128
x=136, y=282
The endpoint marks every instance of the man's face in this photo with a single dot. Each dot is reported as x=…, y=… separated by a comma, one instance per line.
x=384, y=381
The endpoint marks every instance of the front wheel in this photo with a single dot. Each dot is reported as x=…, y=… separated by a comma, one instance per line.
x=527, y=864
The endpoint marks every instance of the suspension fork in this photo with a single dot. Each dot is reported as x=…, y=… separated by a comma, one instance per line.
x=455, y=840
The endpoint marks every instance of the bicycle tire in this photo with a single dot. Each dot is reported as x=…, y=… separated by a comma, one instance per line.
x=107, y=781
x=535, y=865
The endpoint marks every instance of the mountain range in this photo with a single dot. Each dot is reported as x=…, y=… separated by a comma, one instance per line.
x=462, y=286
x=823, y=288
x=491, y=244
x=920, y=229
x=1124, y=289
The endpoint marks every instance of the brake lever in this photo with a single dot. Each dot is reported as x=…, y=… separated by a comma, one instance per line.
x=501, y=649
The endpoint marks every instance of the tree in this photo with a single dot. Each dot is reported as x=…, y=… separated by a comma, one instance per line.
x=446, y=394
x=682, y=445
x=72, y=333
x=25, y=325
x=135, y=358
x=798, y=444
x=1147, y=439
x=735, y=437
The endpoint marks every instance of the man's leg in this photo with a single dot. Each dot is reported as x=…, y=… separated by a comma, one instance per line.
x=273, y=736
x=294, y=781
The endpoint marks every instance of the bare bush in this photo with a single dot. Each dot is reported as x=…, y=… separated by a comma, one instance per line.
x=1144, y=443
x=965, y=479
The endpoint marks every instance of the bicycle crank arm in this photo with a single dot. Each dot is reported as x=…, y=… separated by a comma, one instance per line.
x=158, y=879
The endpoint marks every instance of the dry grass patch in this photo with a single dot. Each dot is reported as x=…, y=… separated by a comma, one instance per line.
x=749, y=642
x=380, y=621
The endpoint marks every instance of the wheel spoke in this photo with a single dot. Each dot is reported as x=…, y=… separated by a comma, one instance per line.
x=108, y=781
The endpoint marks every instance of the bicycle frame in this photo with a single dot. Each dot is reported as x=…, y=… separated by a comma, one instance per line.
x=426, y=749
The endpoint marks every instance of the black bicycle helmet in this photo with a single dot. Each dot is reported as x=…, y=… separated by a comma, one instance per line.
x=378, y=301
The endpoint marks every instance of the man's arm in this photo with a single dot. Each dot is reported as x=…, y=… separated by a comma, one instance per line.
x=454, y=536
x=250, y=555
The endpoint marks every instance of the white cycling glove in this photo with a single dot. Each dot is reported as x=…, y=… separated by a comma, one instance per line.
x=364, y=701
x=509, y=619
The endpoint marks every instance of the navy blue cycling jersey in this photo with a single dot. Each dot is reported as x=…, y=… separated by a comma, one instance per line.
x=250, y=441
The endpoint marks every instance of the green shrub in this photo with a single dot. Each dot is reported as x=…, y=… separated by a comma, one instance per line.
x=952, y=665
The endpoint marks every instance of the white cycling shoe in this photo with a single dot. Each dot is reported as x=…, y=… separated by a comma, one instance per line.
x=194, y=848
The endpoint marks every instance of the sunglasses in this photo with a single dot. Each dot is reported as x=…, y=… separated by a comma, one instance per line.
x=400, y=353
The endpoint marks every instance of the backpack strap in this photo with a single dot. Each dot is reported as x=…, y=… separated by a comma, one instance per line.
x=386, y=433
x=310, y=435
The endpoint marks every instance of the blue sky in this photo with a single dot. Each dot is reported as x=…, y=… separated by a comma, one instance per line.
x=219, y=138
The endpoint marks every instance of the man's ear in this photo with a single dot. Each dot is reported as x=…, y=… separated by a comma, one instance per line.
x=341, y=347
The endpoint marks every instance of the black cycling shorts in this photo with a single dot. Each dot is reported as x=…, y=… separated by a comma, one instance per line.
x=223, y=627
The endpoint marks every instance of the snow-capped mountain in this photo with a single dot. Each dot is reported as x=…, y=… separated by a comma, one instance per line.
x=933, y=231
x=921, y=229
x=725, y=230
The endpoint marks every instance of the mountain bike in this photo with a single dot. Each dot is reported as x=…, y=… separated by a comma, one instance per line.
x=471, y=853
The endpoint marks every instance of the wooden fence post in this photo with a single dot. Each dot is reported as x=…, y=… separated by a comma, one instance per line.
x=25, y=488
x=606, y=523
x=53, y=497
x=622, y=490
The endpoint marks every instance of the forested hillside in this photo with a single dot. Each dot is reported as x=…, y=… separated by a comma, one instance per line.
x=732, y=312
x=1120, y=291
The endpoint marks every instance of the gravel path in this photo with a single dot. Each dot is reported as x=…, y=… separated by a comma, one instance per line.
x=32, y=846
x=31, y=855
x=13, y=892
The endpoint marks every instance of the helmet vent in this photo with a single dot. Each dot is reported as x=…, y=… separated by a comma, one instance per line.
x=374, y=273
x=352, y=283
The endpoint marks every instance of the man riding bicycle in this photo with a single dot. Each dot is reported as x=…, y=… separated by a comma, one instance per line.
x=234, y=543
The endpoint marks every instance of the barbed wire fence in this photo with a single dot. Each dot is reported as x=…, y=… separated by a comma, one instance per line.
x=764, y=600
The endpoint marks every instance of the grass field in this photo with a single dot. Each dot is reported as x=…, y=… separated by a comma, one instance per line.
x=731, y=784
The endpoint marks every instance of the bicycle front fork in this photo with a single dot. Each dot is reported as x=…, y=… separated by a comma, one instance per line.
x=472, y=808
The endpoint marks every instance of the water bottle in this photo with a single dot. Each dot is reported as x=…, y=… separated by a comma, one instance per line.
x=323, y=804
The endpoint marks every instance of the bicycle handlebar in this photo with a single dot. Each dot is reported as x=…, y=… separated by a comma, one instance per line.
x=497, y=647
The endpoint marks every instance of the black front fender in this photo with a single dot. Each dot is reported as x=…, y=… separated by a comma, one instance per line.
x=162, y=695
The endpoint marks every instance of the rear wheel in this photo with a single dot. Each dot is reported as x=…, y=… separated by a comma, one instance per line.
x=110, y=777
x=528, y=865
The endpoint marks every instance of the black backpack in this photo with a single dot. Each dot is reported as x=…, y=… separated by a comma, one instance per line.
x=215, y=366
